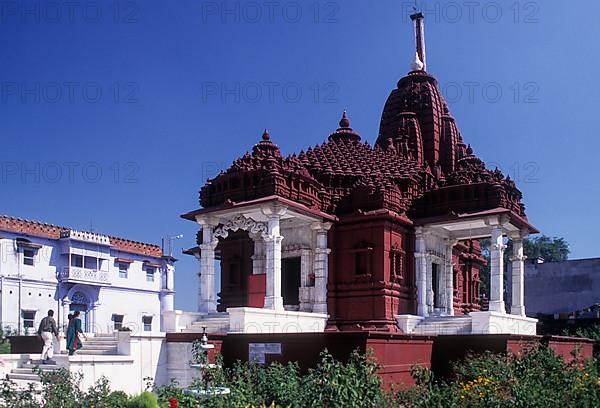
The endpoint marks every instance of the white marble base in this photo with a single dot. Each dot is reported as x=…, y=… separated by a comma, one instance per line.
x=254, y=320
x=502, y=323
x=407, y=323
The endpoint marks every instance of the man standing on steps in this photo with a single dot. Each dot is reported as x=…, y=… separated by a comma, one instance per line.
x=47, y=329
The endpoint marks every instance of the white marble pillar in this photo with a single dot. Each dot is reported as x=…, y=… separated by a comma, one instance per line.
x=517, y=306
x=321, y=266
x=66, y=309
x=273, y=298
x=497, y=271
x=258, y=259
x=429, y=277
x=441, y=287
x=449, y=276
x=207, y=298
x=421, y=273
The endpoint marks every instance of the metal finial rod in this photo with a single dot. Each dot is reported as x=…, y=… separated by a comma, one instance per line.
x=418, y=19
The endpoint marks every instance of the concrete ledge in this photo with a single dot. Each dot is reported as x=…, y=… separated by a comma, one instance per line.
x=177, y=320
x=108, y=359
x=254, y=320
x=502, y=323
x=407, y=323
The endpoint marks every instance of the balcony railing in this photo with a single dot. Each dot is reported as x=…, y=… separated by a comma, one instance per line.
x=75, y=274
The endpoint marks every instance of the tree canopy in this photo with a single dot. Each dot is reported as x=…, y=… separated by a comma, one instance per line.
x=549, y=249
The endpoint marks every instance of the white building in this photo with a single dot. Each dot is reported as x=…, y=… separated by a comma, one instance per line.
x=112, y=281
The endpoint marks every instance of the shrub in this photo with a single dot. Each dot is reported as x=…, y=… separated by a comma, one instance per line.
x=538, y=378
x=61, y=389
x=335, y=384
x=144, y=400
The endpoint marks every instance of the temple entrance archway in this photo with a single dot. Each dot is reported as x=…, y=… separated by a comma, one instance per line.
x=435, y=281
x=290, y=282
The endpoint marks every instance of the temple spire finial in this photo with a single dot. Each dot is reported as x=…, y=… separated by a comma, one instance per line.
x=418, y=19
x=266, y=136
x=345, y=122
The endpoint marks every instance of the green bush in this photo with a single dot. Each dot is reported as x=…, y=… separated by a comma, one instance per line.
x=538, y=378
x=144, y=400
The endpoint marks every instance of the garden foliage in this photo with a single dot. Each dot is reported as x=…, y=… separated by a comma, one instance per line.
x=537, y=378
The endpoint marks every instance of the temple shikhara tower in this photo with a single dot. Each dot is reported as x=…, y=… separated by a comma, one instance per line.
x=348, y=236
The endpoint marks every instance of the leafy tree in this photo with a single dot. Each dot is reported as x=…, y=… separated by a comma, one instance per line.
x=549, y=249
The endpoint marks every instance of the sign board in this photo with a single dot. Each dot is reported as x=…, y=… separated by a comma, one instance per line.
x=257, y=352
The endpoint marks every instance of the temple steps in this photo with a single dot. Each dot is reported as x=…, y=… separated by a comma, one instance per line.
x=99, y=344
x=27, y=373
x=444, y=325
x=214, y=323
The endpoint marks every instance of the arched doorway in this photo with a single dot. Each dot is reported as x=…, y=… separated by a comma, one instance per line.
x=80, y=302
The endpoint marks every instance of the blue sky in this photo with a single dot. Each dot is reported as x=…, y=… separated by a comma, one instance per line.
x=113, y=114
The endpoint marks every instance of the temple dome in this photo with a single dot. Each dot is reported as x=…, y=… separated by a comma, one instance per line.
x=416, y=112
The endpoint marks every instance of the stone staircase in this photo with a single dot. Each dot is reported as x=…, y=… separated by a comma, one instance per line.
x=444, y=325
x=99, y=344
x=214, y=323
x=27, y=372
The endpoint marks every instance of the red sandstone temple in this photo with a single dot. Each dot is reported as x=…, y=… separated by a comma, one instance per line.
x=352, y=236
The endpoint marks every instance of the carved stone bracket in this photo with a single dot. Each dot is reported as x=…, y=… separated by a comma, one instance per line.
x=498, y=247
x=520, y=258
x=241, y=223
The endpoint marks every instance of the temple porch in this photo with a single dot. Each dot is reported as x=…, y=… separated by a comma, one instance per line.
x=435, y=239
x=287, y=288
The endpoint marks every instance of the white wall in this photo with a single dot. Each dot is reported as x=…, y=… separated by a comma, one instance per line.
x=179, y=356
x=38, y=296
x=133, y=296
x=147, y=358
x=130, y=303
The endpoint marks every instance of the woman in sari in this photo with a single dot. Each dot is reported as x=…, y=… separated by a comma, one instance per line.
x=73, y=333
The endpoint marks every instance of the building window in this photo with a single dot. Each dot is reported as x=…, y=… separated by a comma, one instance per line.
x=89, y=262
x=123, y=267
x=28, y=318
x=147, y=321
x=150, y=271
x=28, y=255
x=117, y=321
x=77, y=261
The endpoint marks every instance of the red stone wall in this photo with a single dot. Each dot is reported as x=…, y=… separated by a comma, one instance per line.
x=257, y=285
x=396, y=353
x=367, y=286
x=467, y=262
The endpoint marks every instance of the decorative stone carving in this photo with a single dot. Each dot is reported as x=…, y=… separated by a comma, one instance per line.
x=241, y=223
x=79, y=298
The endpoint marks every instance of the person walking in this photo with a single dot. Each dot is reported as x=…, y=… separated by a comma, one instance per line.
x=47, y=330
x=73, y=334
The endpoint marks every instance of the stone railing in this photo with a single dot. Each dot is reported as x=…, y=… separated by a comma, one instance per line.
x=84, y=275
x=86, y=237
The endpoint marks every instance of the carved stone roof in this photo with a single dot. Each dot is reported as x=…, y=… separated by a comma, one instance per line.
x=419, y=162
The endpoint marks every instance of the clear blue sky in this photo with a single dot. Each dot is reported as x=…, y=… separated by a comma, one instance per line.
x=170, y=61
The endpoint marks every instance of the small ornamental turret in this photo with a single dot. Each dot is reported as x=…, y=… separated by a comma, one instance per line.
x=266, y=148
x=266, y=136
x=345, y=132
